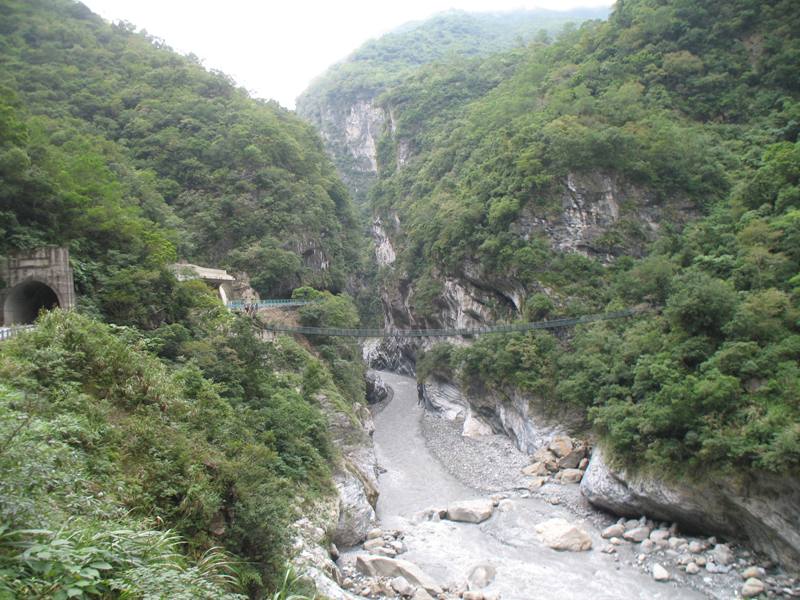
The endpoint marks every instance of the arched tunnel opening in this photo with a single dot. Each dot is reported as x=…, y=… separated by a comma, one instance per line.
x=25, y=300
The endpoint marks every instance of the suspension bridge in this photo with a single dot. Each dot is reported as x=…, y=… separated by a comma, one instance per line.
x=270, y=303
x=454, y=332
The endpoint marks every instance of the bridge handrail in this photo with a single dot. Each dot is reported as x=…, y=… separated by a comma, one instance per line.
x=270, y=302
x=6, y=333
x=463, y=331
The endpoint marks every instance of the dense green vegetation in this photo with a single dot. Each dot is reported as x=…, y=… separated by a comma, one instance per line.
x=387, y=60
x=107, y=131
x=692, y=102
x=151, y=444
x=108, y=447
x=392, y=59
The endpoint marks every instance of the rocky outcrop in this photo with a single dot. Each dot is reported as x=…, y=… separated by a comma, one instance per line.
x=524, y=418
x=310, y=558
x=350, y=126
x=377, y=390
x=763, y=509
x=355, y=475
x=356, y=514
x=390, y=354
x=593, y=203
x=363, y=126
x=384, y=251
x=381, y=566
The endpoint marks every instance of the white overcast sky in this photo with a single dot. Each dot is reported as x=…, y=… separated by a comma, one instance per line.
x=274, y=49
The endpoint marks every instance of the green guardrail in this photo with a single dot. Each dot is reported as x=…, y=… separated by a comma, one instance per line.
x=240, y=304
x=456, y=332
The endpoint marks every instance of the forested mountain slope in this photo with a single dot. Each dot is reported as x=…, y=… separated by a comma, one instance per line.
x=341, y=103
x=152, y=444
x=106, y=120
x=535, y=198
x=652, y=158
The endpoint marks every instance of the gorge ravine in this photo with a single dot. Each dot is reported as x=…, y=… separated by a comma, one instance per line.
x=414, y=484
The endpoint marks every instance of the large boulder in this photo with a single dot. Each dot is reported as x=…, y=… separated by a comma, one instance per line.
x=559, y=534
x=762, y=508
x=382, y=566
x=356, y=515
x=470, y=511
x=377, y=390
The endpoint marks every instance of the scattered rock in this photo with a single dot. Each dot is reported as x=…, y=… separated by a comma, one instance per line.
x=752, y=587
x=401, y=586
x=533, y=469
x=561, y=535
x=480, y=576
x=548, y=459
x=722, y=554
x=615, y=530
x=381, y=566
x=560, y=445
x=754, y=572
x=696, y=547
x=421, y=594
x=373, y=543
x=648, y=546
x=637, y=534
x=713, y=567
x=765, y=511
x=571, y=476
x=692, y=568
x=535, y=483
x=659, y=534
x=470, y=511
x=616, y=541
x=583, y=464
x=677, y=542
x=660, y=573
x=374, y=533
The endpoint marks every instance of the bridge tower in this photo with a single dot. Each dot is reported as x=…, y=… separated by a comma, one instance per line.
x=35, y=279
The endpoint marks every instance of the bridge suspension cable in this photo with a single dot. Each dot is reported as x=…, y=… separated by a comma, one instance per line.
x=455, y=332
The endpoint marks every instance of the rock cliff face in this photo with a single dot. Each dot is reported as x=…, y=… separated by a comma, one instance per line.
x=351, y=128
x=763, y=509
x=355, y=476
x=522, y=417
x=592, y=205
x=588, y=211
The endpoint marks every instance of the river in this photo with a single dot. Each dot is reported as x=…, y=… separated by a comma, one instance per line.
x=414, y=481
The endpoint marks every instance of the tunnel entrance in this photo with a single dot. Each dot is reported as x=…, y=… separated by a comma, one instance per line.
x=24, y=301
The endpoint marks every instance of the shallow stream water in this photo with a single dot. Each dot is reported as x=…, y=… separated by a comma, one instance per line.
x=414, y=481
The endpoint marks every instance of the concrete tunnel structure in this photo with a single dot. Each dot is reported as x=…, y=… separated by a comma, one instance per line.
x=35, y=280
